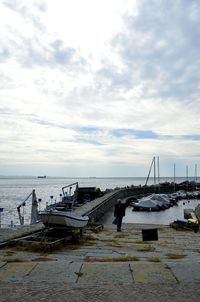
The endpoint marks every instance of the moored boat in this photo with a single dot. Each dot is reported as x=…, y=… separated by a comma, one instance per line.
x=146, y=204
x=153, y=202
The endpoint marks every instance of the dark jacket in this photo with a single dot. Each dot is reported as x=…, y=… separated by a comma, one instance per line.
x=119, y=210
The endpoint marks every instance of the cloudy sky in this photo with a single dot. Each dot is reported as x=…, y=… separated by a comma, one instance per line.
x=98, y=87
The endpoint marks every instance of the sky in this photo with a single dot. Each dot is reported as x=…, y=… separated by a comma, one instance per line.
x=98, y=87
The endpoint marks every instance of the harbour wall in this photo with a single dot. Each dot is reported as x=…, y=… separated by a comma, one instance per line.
x=100, y=206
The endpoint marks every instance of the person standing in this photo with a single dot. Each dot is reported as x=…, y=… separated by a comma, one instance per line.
x=119, y=213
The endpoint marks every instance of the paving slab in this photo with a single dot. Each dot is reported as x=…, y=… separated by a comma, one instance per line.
x=12, y=272
x=153, y=273
x=55, y=272
x=186, y=271
x=105, y=273
x=102, y=255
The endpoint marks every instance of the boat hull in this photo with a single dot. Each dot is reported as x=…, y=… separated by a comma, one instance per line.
x=63, y=219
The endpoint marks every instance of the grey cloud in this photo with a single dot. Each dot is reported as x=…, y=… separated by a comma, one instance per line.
x=160, y=45
x=32, y=53
x=40, y=5
x=116, y=78
x=38, y=54
x=4, y=53
x=62, y=55
x=24, y=9
x=35, y=50
x=15, y=5
x=29, y=52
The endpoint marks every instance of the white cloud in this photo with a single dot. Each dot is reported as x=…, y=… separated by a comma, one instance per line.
x=69, y=67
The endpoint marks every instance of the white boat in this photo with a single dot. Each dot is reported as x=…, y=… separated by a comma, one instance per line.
x=63, y=219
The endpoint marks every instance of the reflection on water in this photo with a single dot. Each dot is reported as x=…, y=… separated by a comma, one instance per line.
x=162, y=217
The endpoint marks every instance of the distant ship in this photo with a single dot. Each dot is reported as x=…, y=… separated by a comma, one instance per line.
x=42, y=176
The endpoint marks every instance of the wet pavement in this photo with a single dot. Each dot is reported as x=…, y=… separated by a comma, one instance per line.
x=107, y=266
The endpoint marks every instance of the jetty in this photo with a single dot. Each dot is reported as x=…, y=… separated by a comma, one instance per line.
x=98, y=207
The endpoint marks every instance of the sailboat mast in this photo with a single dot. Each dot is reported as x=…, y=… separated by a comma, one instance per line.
x=158, y=162
x=195, y=173
x=154, y=170
x=174, y=177
x=149, y=171
x=195, y=176
x=187, y=177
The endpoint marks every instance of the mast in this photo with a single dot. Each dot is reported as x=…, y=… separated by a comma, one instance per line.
x=187, y=177
x=195, y=176
x=174, y=177
x=158, y=162
x=153, y=160
x=195, y=173
x=154, y=168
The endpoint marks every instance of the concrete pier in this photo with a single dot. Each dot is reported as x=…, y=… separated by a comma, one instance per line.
x=98, y=207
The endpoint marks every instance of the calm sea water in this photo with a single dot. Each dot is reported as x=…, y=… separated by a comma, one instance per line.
x=14, y=190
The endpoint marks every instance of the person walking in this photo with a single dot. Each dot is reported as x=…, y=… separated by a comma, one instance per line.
x=119, y=213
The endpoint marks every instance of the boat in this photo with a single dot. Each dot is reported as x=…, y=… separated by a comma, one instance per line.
x=57, y=218
x=153, y=202
x=162, y=200
x=188, y=224
x=44, y=176
x=146, y=204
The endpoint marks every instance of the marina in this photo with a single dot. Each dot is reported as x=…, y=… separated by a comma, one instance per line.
x=49, y=192
x=64, y=219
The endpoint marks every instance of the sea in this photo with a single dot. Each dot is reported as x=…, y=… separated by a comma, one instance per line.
x=13, y=191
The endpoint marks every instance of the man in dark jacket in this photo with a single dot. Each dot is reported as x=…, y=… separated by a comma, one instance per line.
x=119, y=213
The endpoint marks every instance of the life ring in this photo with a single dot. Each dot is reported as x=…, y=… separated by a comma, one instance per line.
x=86, y=197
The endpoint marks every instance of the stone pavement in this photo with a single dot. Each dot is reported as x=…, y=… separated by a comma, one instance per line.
x=107, y=266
